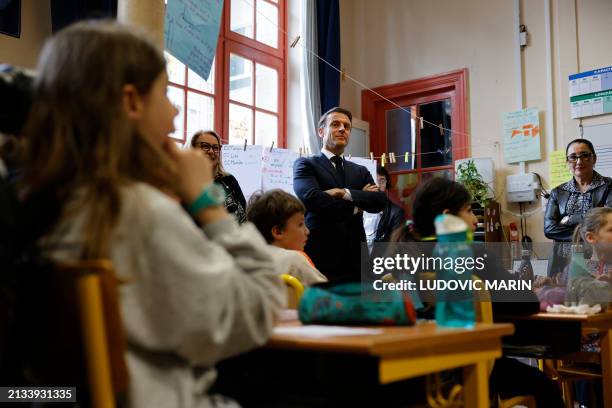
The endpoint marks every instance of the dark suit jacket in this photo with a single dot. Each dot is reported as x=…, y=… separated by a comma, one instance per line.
x=336, y=233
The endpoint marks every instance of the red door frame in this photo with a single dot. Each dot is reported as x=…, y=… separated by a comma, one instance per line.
x=418, y=91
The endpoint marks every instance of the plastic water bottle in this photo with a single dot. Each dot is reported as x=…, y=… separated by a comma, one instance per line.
x=454, y=308
x=525, y=271
x=577, y=272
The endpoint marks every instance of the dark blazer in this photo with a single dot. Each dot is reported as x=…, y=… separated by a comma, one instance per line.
x=336, y=233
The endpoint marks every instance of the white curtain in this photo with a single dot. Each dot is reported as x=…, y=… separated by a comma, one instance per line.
x=309, y=76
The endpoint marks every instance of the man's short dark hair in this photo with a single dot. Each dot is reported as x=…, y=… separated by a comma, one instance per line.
x=272, y=209
x=332, y=110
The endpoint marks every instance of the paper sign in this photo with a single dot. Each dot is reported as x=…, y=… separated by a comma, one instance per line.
x=245, y=165
x=601, y=137
x=191, y=32
x=367, y=163
x=319, y=331
x=277, y=169
x=521, y=130
x=559, y=172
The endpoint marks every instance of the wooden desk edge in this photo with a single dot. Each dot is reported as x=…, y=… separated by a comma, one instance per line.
x=394, y=344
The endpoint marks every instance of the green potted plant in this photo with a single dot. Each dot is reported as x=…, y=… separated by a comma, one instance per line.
x=468, y=175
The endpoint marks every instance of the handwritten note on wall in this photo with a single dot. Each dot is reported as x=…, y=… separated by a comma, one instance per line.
x=191, y=32
x=245, y=165
x=278, y=169
x=521, y=131
x=559, y=172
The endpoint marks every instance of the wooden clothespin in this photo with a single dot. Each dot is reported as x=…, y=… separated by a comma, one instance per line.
x=421, y=122
x=300, y=151
x=391, y=157
x=272, y=146
x=441, y=129
x=343, y=74
x=382, y=160
x=295, y=41
x=371, y=156
x=406, y=157
x=245, y=143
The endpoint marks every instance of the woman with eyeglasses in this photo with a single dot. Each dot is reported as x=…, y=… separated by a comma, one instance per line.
x=569, y=202
x=210, y=143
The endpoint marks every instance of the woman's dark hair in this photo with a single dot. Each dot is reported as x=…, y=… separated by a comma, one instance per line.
x=430, y=200
x=272, y=209
x=585, y=141
x=381, y=171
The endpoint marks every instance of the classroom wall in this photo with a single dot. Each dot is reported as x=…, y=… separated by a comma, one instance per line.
x=35, y=27
x=389, y=41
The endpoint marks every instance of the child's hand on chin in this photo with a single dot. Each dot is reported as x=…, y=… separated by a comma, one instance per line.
x=194, y=168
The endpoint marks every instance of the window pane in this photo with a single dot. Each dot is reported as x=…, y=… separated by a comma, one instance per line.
x=175, y=68
x=240, y=124
x=436, y=147
x=401, y=137
x=241, y=16
x=199, y=83
x=266, y=129
x=266, y=91
x=200, y=113
x=267, y=23
x=241, y=79
x=177, y=97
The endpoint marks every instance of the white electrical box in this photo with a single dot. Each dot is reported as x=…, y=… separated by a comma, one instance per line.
x=521, y=188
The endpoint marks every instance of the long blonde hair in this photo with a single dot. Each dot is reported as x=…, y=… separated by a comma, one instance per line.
x=78, y=135
x=594, y=220
x=219, y=170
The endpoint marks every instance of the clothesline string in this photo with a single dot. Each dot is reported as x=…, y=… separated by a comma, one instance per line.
x=361, y=84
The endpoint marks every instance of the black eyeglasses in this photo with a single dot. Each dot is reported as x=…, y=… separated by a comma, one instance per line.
x=207, y=147
x=584, y=156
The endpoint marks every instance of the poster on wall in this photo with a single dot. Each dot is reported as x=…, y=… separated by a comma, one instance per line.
x=521, y=135
x=591, y=93
x=10, y=17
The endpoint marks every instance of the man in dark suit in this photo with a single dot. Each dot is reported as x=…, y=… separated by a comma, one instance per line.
x=335, y=193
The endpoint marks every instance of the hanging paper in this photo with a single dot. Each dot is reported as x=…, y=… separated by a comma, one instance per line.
x=191, y=32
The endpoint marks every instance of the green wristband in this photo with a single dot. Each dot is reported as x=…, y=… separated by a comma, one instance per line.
x=210, y=196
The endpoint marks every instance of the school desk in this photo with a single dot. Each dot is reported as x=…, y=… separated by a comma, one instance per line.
x=407, y=352
x=561, y=334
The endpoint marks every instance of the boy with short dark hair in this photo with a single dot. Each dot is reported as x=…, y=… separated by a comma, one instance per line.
x=279, y=217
